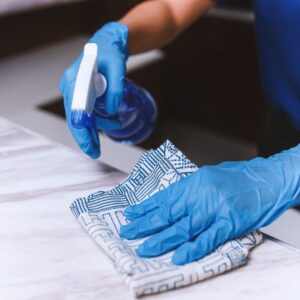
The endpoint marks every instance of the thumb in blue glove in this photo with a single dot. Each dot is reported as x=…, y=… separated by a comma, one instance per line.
x=111, y=40
x=214, y=205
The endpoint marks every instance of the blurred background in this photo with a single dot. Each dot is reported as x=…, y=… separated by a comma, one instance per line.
x=206, y=83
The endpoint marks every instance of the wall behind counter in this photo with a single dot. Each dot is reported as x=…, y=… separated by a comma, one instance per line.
x=27, y=29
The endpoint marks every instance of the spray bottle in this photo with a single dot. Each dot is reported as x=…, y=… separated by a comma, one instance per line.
x=136, y=115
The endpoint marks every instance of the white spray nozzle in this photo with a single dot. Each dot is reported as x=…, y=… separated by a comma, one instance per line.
x=89, y=83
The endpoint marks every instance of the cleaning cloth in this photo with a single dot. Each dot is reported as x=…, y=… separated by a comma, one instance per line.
x=101, y=215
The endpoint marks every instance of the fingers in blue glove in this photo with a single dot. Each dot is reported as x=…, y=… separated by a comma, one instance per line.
x=88, y=141
x=151, y=223
x=106, y=124
x=69, y=76
x=228, y=200
x=207, y=241
x=183, y=230
x=134, y=212
x=112, y=39
x=86, y=138
x=154, y=214
x=167, y=200
x=114, y=74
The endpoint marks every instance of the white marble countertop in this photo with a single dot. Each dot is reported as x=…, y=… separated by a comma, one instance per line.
x=44, y=254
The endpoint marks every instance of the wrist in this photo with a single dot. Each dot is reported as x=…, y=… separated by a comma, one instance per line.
x=288, y=164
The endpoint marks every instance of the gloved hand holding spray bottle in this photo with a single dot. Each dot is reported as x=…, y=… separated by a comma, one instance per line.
x=99, y=97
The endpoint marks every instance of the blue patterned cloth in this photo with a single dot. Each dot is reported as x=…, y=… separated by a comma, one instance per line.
x=101, y=215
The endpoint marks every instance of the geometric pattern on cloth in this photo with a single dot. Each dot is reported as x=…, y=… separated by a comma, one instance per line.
x=101, y=215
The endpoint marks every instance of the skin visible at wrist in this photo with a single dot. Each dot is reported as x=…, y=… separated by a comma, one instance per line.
x=154, y=24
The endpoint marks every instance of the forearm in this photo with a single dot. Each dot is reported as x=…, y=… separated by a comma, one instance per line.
x=155, y=23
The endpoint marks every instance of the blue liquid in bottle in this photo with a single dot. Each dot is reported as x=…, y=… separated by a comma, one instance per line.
x=137, y=115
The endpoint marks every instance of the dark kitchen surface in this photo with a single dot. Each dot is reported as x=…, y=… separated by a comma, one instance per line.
x=246, y=4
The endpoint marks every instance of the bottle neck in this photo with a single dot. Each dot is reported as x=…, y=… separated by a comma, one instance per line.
x=100, y=84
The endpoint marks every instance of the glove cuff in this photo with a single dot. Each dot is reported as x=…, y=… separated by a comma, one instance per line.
x=118, y=31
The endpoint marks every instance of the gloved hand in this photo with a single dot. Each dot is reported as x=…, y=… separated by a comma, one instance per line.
x=111, y=40
x=214, y=205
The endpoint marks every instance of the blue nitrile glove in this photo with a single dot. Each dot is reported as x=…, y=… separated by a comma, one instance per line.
x=215, y=204
x=111, y=40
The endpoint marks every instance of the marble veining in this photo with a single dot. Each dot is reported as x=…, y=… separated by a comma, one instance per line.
x=44, y=254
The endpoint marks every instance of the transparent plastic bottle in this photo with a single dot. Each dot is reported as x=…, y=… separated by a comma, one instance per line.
x=137, y=114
